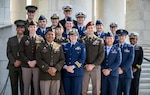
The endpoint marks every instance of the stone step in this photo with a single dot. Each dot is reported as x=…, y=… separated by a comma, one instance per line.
x=146, y=65
x=144, y=80
x=144, y=86
x=145, y=75
x=144, y=91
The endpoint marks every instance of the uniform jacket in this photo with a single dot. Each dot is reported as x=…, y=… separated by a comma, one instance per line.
x=41, y=33
x=94, y=49
x=127, y=60
x=100, y=36
x=138, y=59
x=63, y=21
x=112, y=60
x=76, y=56
x=116, y=39
x=81, y=31
x=50, y=57
x=13, y=52
x=28, y=49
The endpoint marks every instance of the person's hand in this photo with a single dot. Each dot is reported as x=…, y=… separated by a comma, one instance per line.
x=52, y=71
x=32, y=63
x=134, y=70
x=17, y=63
x=70, y=69
x=120, y=71
x=89, y=67
x=106, y=72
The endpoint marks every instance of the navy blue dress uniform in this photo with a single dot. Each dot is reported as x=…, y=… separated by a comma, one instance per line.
x=63, y=21
x=65, y=33
x=41, y=31
x=126, y=65
x=113, y=25
x=101, y=34
x=13, y=55
x=81, y=29
x=75, y=54
x=30, y=9
x=111, y=62
x=138, y=59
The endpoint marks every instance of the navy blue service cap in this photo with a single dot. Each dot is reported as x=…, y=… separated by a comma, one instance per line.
x=67, y=8
x=109, y=34
x=31, y=8
x=80, y=14
x=20, y=23
x=121, y=32
x=69, y=19
x=133, y=35
x=54, y=16
x=42, y=17
x=98, y=22
x=113, y=24
x=74, y=31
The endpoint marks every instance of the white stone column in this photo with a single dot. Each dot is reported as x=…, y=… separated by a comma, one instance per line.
x=138, y=19
x=114, y=11
x=4, y=12
x=18, y=10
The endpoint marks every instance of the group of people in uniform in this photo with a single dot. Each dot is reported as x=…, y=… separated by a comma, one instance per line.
x=62, y=59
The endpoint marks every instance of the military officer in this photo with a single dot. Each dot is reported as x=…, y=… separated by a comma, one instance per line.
x=113, y=29
x=30, y=71
x=31, y=11
x=42, y=22
x=59, y=38
x=81, y=16
x=125, y=68
x=110, y=66
x=100, y=29
x=54, y=20
x=69, y=27
x=67, y=12
x=13, y=55
x=50, y=59
x=95, y=55
x=73, y=68
x=136, y=66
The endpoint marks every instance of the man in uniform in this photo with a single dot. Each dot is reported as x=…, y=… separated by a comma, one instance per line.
x=54, y=20
x=69, y=27
x=125, y=68
x=73, y=69
x=100, y=29
x=110, y=66
x=80, y=23
x=42, y=22
x=136, y=66
x=67, y=12
x=30, y=71
x=95, y=55
x=31, y=10
x=113, y=29
x=13, y=55
x=50, y=59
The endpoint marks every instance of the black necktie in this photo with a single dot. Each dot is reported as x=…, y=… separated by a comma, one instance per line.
x=80, y=28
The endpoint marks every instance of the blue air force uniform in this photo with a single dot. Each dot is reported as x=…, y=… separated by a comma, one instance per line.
x=126, y=65
x=111, y=61
x=75, y=55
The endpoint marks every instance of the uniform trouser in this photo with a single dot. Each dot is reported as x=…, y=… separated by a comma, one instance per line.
x=109, y=85
x=134, y=90
x=124, y=86
x=95, y=76
x=49, y=87
x=62, y=92
x=15, y=77
x=28, y=75
x=72, y=85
